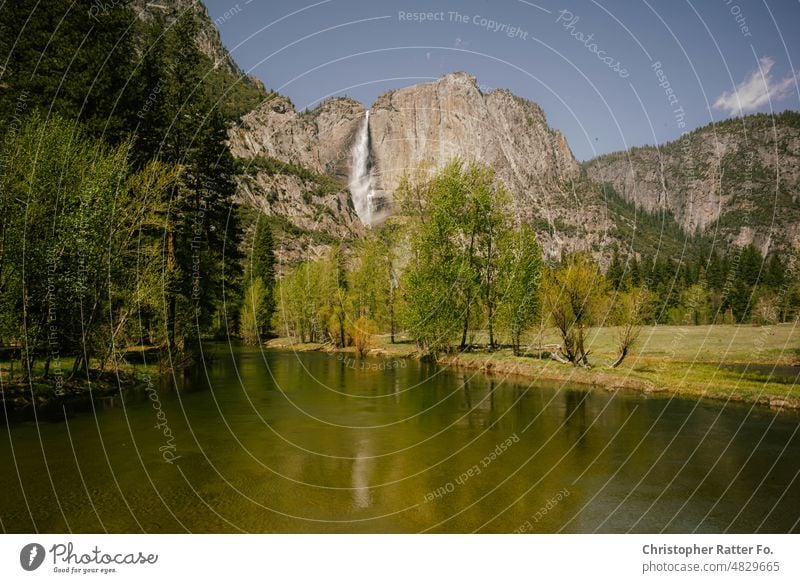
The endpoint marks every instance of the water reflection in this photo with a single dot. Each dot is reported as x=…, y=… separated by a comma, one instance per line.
x=361, y=478
x=300, y=443
x=575, y=422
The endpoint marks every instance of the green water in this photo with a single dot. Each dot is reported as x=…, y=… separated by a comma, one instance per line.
x=282, y=442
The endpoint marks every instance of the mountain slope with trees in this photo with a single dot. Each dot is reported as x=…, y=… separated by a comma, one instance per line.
x=736, y=181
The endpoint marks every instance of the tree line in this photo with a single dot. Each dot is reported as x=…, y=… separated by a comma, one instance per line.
x=708, y=287
x=454, y=269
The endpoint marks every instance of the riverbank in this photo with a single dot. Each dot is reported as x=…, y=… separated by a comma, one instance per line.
x=382, y=347
x=649, y=376
x=49, y=399
x=748, y=364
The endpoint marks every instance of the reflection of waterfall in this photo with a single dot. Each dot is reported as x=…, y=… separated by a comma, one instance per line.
x=361, y=175
x=360, y=479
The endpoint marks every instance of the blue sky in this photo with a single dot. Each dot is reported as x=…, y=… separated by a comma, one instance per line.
x=608, y=74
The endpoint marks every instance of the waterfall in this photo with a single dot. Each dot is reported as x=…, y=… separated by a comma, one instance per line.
x=361, y=175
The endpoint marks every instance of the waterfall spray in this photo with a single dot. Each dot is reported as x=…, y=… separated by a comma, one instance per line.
x=361, y=175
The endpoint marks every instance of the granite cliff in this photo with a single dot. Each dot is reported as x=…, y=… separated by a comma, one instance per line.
x=737, y=180
x=423, y=125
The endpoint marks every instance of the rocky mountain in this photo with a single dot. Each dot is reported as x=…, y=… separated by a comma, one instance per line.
x=432, y=123
x=208, y=39
x=238, y=92
x=737, y=180
x=423, y=125
x=296, y=168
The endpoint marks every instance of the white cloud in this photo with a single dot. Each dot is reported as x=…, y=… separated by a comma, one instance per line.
x=759, y=88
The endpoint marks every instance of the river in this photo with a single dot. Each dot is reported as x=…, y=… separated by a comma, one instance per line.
x=265, y=441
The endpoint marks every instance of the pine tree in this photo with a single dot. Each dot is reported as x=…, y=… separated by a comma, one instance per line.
x=182, y=125
x=616, y=271
x=63, y=57
x=262, y=267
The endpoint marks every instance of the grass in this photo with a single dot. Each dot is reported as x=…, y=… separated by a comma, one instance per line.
x=739, y=363
x=20, y=399
x=713, y=344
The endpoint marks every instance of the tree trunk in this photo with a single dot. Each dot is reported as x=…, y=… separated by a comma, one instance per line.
x=469, y=298
x=581, y=356
x=518, y=341
x=489, y=305
x=77, y=365
x=26, y=363
x=491, y=328
x=463, y=344
x=391, y=317
x=172, y=300
x=46, y=372
x=623, y=353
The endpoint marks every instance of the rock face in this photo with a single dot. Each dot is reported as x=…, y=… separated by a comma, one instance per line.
x=739, y=179
x=319, y=140
x=308, y=216
x=297, y=165
x=434, y=122
x=428, y=125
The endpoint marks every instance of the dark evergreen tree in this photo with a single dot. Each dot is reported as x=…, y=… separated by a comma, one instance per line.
x=262, y=263
x=70, y=58
x=180, y=123
x=716, y=271
x=263, y=260
x=775, y=275
x=616, y=270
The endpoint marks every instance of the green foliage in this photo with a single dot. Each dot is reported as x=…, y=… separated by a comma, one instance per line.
x=311, y=301
x=700, y=285
x=629, y=312
x=146, y=85
x=694, y=307
x=456, y=220
x=362, y=332
x=321, y=184
x=262, y=260
x=236, y=95
x=273, y=166
x=60, y=60
x=574, y=297
x=519, y=279
x=651, y=234
x=80, y=256
x=255, y=313
x=183, y=125
x=258, y=304
x=369, y=281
